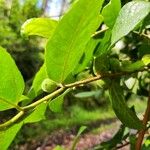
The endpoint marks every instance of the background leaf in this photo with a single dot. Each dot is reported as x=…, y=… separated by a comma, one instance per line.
x=86, y=94
x=146, y=59
x=81, y=130
x=129, y=17
x=11, y=81
x=124, y=114
x=104, y=44
x=65, y=48
x=110, y=12
x=112, y=143
x=39, y=26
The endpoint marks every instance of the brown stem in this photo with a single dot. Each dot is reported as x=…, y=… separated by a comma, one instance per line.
x=98, y=77
x=123, y=145
x=62, y=89
x=145, y=120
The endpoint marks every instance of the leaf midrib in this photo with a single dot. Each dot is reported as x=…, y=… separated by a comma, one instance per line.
x=70, y=47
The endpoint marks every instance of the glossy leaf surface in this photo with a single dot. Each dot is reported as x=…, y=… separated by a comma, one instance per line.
x=129, y=17
x=39, y=26
x=65, y=48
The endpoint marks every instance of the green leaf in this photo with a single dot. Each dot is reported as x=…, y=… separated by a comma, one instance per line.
x=130, y=82
x=104, y=44
x=133, y=66
x=146, y=144
x=59, y=148
x=82, y=128
x=112, y=143
x=124, y=114
x=115, y=65
x=86, y=94
x=7, y=136
x=144, y=49
x=129, y=17
x=66, y=46
x=56, y=104
x=36, y=88
x=110, y=12
x=88, y=55
x=146, y=59
x=101, y=64
x=37, y=115
x=11, y=81
x=39, y=26
x=132, y=140
x=23, y=98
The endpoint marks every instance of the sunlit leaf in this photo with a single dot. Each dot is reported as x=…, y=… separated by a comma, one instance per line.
x=130, y=82
x=146, y=59
x=56, y=104
x=65, y=48
x=110, y=12
x=37, y=115
x=39, y=26
x=7, y=135
x=129, y=17
x=11, y=81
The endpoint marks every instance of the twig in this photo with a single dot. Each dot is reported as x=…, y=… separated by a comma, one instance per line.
x=145, y=121
x=46, y=98
x=123, y=145
x=12, y=120
x=60, y=90
x=99, y=32
x=142, y=34
x=17, y=107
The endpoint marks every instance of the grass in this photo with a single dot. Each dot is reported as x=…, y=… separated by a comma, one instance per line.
x=74, y=117
x=78, y=116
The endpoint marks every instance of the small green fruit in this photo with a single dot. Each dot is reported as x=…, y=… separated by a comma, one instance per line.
x=48, y=85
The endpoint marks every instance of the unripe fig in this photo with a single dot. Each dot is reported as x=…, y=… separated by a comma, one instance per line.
x=48, y=85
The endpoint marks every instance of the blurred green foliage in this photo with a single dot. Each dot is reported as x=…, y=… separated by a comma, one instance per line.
x=26, y=52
